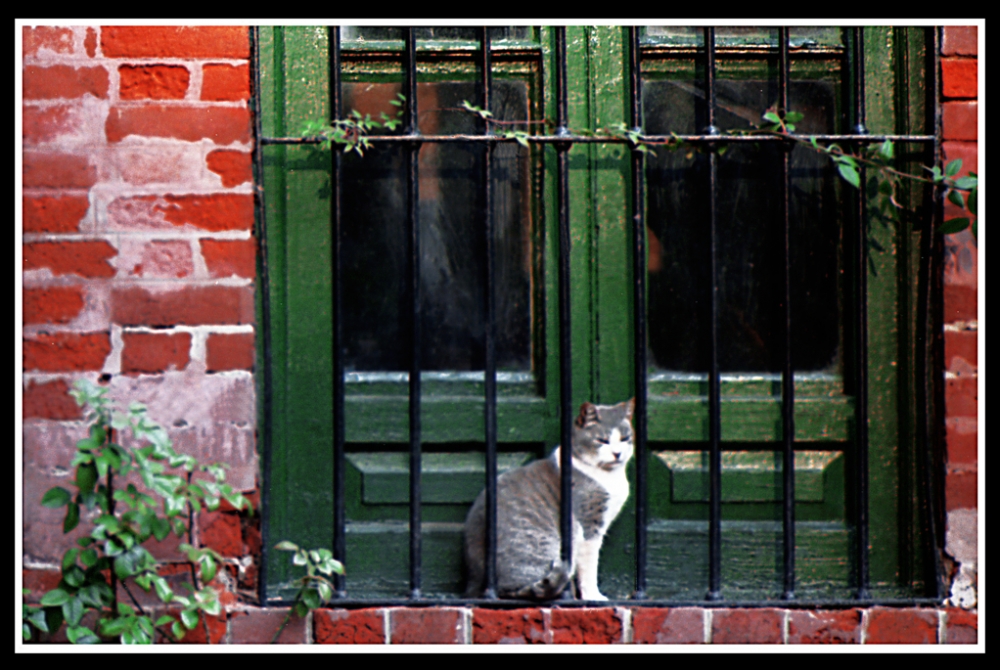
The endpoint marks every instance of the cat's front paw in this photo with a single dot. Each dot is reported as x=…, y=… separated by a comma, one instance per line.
x=592, y=595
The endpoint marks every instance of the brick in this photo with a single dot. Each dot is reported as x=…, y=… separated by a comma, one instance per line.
x=349, y=626
x=960, y=303
x=39, y=581
x=961, y=490
x=157, y=259
x=190, y=306
x=746, y=626
x=824, y=627
x=58, y=40
x=64, y=81
x=57, y=170
x=426, y=626
x=225, y=258
x=50, y=400
x=960, y=120
x=153, y=82
x=961, y=396
x=152, y=353
x=901, y=626
x=90, y=42
x=222, y=125
x=221, y=531
x=962, y=439
x=960, y=77
x=235, y=167
x=518, y=626
x=225, y=82
x=962, y=344
x=259, y=625
x=598, y=625
x=85, y=258
x=54, y=214
x=214, y=213
x=225, y=351
x=680, y=625
x=961, y=626
x=960, y=41
x=46, y=124
x=66, y=352
x=216, y=627
x=55, y=304
x=175, y=41
x=967, y=151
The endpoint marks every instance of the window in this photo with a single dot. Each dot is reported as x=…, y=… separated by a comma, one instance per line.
x=297, y=401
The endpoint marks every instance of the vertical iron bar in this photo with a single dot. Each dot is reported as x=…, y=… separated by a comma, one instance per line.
x=413, y=272
x=339, y=519
x=714, y=405
x=787, y=374
x=265, y=297
x=861, y=326
x=639, y=418
x=565, y=360
x=490, y=364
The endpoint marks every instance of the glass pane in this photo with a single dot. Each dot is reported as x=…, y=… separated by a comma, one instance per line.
x=748, y=233
x=451, y=236
x=800, y=36
x=362, y=33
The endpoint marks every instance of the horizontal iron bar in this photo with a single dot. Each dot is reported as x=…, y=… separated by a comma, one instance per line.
x=358, y=603
x=612, y=139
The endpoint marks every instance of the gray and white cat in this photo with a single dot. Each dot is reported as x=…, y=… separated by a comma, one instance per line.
x=528, y=542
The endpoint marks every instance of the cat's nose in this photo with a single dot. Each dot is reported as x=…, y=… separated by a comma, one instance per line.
x=617, y=455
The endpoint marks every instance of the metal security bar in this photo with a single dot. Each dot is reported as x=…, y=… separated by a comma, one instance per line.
x=928, y=318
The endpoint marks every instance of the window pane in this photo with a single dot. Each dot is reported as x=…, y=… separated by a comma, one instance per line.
x=435, y=33
x=801, y=36
x=451, y=236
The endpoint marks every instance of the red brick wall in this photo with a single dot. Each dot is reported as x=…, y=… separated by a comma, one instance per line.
x=139, y=267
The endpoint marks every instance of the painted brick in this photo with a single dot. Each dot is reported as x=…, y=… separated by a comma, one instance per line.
x=960, y=41
x=58, y=40
x=46, y=124
x=64, y=81
x=159, y=259
x=585, y=626
x=518, y=626
x=221, y=532
x=66, y=352
x=901, y=626
x=960, y=303
x=55, y=304
x=235, y=167
x=175, y=41
x=190, y=306
x=57, y=170
x=426, y=626
x=86, y=258
x=222, y=125
x=258, y=626
x=39, y=581
x=824, y=627
x=746, y=626
x=230, y=351
x=215, y=213
x=967, y=151
x=961, y=344
x=90, y=42
x=962, y=437
x=151, y=353
x=225, y=258
x=961, y=396
x=225, y=82
x=961, y=626
x=961, y=489
x=960, y=120
x=960, y=77
x=349, y=626
x=54, y=214
x=680, y=625
x=154, y=82
x=50, y=400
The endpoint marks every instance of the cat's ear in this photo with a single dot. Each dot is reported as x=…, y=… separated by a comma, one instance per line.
x=629, y=408
x=587, y=415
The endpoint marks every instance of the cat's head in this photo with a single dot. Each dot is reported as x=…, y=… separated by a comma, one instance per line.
x=602, y=434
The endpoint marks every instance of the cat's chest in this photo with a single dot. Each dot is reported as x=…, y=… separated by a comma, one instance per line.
x=609, y=489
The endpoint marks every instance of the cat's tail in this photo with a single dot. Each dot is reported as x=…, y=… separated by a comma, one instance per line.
x=551, y=585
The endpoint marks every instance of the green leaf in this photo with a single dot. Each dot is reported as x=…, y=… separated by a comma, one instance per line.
x=88, y=557
x=325, y=592
x=72, y=517
x=163, y=591
x=91, y=596
x=310, y=597
x=74, y=576
x=772, y=117
x=285, y=545
x=886, y=149
x=86, y=476
x=967, y=182
x=301, y=609
x=81, y=635
x=38, y=619
x=189, y=618
x=56, y=497
x=850, y=175
x=161, y=528
x=953, y=226
x=73, y=611
x=115, y=626
x=178, y=630
x=956, y=198
x=975, y=230
x=56, y=596
x=69, y=558
x=953, y=168
x=163, y=620
x=208, y=568
x=974, y=201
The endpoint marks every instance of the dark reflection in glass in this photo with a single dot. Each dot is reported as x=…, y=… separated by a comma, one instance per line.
x=361, y=33
x=749, y=234
x=451, y=236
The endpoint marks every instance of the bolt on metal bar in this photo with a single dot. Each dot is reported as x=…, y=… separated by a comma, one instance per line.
x=265, y=296
x=490, y=363
x=857, y=67
x=413, y=272
x=787, y=374
x=336, y=248
x=565, y=359
x=714, y=405
x=639, y=418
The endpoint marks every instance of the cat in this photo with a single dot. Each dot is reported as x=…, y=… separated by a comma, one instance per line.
x=528, y=561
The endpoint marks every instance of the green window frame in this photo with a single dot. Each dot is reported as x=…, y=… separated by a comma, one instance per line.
x=294, y=75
